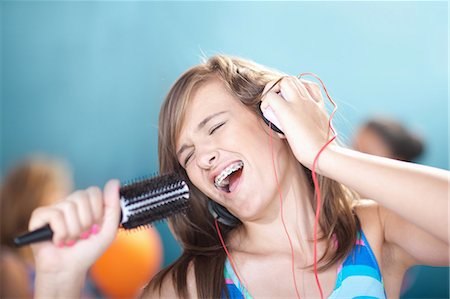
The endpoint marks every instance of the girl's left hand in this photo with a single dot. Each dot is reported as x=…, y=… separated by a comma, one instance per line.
x=300, y=110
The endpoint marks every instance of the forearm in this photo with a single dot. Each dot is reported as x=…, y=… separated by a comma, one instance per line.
x=417, y=193
x=58, y=285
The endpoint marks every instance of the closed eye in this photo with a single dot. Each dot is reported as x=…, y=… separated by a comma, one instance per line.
x=213, y=129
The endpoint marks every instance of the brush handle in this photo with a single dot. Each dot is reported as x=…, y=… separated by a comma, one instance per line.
x=44, y=233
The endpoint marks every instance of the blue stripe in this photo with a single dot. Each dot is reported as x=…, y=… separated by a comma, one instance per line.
x=233, y=292
x=360, y=270
x=238, y=287
x=360, y=274
x=359, y=256
x=359, y=287
x=371, y=254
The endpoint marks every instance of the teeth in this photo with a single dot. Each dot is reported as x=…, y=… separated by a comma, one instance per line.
x=222, y=179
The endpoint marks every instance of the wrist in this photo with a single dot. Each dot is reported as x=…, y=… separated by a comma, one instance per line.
x=59, y=285
x=326, y=159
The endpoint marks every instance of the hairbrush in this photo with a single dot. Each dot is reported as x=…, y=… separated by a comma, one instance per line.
x=142, y=202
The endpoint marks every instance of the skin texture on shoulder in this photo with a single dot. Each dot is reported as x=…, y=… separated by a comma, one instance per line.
x=389, y=236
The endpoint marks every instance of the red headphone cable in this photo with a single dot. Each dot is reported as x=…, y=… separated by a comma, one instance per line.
x=228, y=255
x=314, y=175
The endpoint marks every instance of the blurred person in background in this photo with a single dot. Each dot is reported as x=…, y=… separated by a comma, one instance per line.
x=387, y=137
x=35, y=181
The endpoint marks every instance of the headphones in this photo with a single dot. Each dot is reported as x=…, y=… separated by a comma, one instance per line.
x=221, y=214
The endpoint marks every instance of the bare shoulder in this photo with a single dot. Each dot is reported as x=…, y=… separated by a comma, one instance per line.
x=410, y=244
x=389, y=235
x=168, y=288
x=369, y=215
x=366, y=205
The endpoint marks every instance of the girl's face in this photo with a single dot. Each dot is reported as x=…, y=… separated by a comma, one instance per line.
x=225, y=150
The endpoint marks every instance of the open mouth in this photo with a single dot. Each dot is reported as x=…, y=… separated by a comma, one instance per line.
x=228, y=178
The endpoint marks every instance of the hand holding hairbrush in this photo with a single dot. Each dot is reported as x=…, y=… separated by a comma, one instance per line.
x=141, y=202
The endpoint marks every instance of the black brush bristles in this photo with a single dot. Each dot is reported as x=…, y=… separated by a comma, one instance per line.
x=142, y=202
x=148, y=200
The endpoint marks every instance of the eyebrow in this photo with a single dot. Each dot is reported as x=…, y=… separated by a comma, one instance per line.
x=199, y=127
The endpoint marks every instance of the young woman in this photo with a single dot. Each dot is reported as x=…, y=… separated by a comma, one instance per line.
x=252, y=188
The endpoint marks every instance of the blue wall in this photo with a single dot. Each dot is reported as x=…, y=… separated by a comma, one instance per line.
x=85, y=80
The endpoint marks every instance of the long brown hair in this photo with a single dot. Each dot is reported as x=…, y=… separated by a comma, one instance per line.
x=33, y=182
x=196, y=232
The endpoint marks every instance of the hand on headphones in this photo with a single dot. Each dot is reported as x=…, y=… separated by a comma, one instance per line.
x=300, y=110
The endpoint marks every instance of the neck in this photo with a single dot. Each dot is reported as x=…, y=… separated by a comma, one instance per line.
x=290, y=213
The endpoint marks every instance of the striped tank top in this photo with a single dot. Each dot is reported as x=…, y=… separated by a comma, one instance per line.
x=359, y=276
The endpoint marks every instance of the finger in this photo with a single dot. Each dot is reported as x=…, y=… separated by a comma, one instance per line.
x=272, y=106
x=69, y=209
x=272, y=91
x=313, y=90
x=96, y=203
x=55, y=218
x=84, y=210
x=293, y=89
x=272, y=86
x=111, y=217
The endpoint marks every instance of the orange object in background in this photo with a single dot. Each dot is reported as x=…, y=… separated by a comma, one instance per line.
x=129, y=263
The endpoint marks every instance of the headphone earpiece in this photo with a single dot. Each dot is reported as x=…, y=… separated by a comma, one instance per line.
x=222, y=215
x=270, y=120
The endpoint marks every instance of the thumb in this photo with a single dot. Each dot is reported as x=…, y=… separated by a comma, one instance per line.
x=111, y=202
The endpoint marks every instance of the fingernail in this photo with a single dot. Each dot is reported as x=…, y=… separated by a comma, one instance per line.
x=85, y=235
x=60, y=244
x=70, y=243
x=95, y=229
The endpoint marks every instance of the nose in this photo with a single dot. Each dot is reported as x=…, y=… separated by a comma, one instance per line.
x=206, y=159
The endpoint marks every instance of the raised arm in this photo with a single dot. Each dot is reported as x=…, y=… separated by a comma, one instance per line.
x=417, y=193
